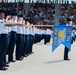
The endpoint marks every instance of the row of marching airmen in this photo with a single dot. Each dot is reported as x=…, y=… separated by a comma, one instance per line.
x=18, y=34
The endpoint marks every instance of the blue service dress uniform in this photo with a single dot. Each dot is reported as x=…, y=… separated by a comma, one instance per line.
x=48, y=36
x=24, y=41
x=35, y=35
x=32, y=33
x=33, y=38
x=12, y=42
x=66, y=50
x=3, y=42
x=27, y=40
x=39, y=35
x=19, y=41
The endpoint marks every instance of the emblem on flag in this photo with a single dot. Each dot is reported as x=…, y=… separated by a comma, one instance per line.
x=61, y=35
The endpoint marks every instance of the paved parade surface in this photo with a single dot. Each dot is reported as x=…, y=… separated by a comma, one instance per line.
x=44, y=62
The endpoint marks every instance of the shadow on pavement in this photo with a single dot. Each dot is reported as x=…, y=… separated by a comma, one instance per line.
x=51, y=62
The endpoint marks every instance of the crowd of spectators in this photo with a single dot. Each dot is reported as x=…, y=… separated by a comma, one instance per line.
x=68, y=10
x=44, y=13
x=11, y=6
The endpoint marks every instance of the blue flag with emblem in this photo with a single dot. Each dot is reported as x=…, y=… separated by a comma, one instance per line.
x=61, y=35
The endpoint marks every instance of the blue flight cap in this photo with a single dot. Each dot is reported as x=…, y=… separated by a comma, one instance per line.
x=69, y=19
x=13, y=14
x=7, y=13
x=20, y=15
x=1, y=11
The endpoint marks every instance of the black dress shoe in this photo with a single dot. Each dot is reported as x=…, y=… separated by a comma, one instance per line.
x=6, y=65
x=20, y=59
x=32, y=52
x=12, y=61
x=25, y=55
x=3, y=68
x=67, y=59
x=7, y=62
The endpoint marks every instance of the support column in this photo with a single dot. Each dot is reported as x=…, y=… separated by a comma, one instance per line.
x=57, y=13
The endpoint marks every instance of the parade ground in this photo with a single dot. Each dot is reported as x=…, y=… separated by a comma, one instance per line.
x=44, y=62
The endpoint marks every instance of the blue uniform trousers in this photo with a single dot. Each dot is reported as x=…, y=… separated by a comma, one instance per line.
x=12, y=45
x=27, y=44
x=19, y=43
x=3, y=48
x=24, y=45
x=66, y=51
